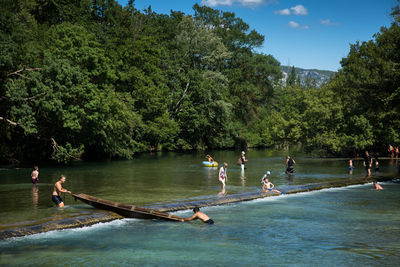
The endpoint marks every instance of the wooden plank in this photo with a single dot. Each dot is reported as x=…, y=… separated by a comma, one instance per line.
x=126, y=210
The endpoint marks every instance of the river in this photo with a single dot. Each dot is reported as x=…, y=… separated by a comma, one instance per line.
x=336, y=227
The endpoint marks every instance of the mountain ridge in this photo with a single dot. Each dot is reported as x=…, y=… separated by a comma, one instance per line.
x=319, y=76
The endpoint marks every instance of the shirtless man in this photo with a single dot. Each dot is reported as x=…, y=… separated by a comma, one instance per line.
x=56, y=198
x=199, y=215
x=35, y=175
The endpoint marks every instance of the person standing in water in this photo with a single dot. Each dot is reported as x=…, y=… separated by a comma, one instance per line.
x=367, y=163
x=290, y=165
x=391, y=151
x=35, y=175
x=222, y=176
x=199, y=215
x=58, y=189
x=351, y=167
x=243, y=160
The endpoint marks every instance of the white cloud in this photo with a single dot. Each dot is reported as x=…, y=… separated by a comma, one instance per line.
x=295, y=10
x=328, y=22
x=296, y=25
x=214, y=3
x=285, y=12
x=246, y=3
x=299, y=10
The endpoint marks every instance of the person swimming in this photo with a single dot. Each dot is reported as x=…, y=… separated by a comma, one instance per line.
x=377, y=186
x=199, y=215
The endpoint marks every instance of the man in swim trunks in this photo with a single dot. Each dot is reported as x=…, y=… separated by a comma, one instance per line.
x=58, y=189
x=35, y=175
x=199, y=215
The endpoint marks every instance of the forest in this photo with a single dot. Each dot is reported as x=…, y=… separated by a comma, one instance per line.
x=93, y=80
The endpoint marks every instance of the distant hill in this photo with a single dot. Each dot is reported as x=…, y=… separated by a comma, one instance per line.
x=320, y=76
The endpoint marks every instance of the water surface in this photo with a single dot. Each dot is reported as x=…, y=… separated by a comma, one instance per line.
x=338, y=227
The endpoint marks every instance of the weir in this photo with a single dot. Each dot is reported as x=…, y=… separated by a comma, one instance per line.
x=159, y=210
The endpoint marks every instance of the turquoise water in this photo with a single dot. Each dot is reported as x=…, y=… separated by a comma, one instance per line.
x=349, y=226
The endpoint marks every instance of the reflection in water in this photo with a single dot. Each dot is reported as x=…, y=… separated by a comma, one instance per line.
x=397, y=164
x=35, y=196
x=223, y=192
x=290, y=178
x=242, y=178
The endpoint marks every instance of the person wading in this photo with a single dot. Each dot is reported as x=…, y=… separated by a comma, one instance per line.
x=58, y=189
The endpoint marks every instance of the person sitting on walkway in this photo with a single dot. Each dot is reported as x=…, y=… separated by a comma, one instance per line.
x=267, y=185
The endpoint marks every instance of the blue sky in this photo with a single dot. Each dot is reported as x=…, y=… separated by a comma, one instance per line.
x=307, y=34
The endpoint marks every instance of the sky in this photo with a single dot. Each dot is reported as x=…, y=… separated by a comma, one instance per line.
x=310, y=34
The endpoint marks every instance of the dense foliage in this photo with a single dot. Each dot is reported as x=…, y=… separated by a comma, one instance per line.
x=93, y=79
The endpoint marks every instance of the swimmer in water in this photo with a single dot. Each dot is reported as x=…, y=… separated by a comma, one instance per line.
x=199, y=215
x=377, y=186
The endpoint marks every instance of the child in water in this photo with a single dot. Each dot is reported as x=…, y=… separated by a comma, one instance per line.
x=351, y=167
x=267, y=185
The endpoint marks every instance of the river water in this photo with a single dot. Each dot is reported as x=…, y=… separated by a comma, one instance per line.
x=348, y=226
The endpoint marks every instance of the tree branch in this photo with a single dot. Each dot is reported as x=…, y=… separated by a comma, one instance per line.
x=21, y=70
x=34, y=97
x=178, y=105
x=11, y=122
x=56, y=148
x=18, y=72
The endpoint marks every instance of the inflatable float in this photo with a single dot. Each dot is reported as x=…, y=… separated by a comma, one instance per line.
x=210, y=164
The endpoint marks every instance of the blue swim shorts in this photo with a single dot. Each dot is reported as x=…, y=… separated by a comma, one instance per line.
x=56, y=199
